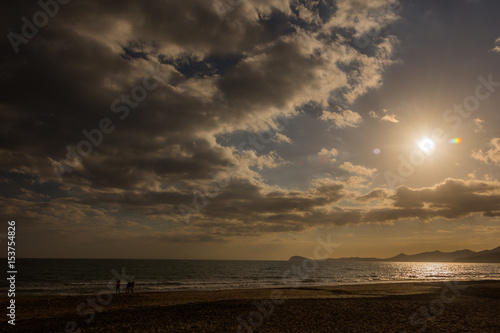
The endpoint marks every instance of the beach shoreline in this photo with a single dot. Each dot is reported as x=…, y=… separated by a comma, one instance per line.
x=468, y=306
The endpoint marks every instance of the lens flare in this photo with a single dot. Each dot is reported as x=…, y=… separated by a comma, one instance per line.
x=455, y=140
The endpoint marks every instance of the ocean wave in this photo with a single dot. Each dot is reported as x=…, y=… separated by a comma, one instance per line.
x=155, y=276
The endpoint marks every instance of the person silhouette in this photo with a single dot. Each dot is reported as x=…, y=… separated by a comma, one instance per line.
x=117, y=286
x=132, y=286
x=129, y=285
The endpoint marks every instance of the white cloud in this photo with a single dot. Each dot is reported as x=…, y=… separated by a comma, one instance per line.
x=496, y=48
x=269, y=161
x=390, y=118
x=358, y=182
x=490, y=156
x=343, y=119
x=364, y=15
x=326, y=155
x=281, y=138
x=325, y=152
x=478, y=125
x=307, y=15
x=357, y=169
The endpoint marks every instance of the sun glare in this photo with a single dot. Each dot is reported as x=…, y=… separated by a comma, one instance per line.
x=426, y=145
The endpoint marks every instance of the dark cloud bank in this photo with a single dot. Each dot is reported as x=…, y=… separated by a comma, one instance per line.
x=150, y=86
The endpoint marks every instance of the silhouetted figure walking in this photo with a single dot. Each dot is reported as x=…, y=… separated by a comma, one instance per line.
x=129, y=286
x=132, y=286
x=118, y=286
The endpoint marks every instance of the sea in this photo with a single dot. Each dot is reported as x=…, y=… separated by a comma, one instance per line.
x=90, y=276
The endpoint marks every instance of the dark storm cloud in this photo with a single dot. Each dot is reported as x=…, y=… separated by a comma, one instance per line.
x=170, y=76
x=67, y=77
x=452, y=198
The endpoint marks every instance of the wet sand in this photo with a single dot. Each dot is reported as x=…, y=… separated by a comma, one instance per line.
x=395, y=307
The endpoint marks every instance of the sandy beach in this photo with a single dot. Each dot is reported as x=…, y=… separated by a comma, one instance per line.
x=395, y=307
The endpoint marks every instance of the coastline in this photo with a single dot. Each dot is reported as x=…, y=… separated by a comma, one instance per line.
x=468, y=306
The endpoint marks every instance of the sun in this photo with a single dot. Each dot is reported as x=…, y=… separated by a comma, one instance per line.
x=427, y=145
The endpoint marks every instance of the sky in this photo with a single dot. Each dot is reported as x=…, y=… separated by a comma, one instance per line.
x=249, y=129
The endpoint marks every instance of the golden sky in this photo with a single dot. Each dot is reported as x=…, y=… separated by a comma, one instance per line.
x=248, y=129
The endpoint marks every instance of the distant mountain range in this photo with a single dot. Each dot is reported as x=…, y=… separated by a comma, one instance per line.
x=486, y=256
